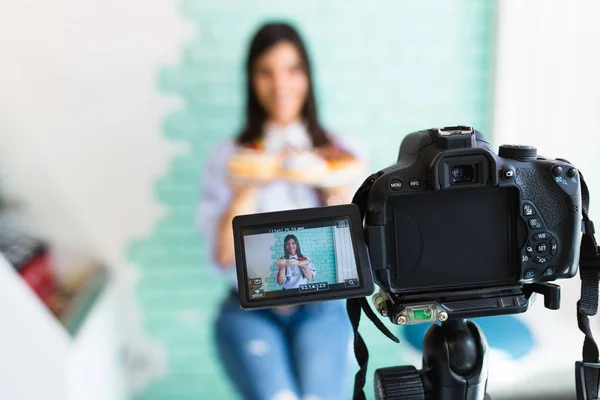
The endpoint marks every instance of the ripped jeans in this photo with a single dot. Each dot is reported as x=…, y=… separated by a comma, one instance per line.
x=304, y=355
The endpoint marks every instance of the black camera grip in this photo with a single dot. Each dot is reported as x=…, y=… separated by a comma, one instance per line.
x=537, y=186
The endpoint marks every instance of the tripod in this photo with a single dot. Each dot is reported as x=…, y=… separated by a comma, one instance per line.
x=455, y=366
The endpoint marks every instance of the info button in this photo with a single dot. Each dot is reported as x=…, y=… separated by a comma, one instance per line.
x=351, y=282
x=414, y=183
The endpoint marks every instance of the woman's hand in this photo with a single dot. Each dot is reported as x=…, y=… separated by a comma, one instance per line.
x=307, y=273
x=337, y=195
x=343, y=162
x=243, y=201
x=253, y=168
x=280, y=274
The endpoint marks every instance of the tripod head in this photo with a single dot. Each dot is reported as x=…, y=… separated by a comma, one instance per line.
x=455, y=366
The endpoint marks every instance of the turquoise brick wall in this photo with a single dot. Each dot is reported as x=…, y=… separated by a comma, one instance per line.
x=382, y=69
x=316, y=244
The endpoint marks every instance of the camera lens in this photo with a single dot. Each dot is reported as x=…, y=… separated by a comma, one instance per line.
x=462, y=173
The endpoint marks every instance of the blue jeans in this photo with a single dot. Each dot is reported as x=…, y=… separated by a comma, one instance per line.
x=267, y=354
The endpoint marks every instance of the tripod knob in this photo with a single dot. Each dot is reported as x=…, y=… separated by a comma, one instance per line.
x=399, y=383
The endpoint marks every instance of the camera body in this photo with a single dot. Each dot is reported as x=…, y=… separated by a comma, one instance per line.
x=452, y=222
x=513, y=217
x=454, y=229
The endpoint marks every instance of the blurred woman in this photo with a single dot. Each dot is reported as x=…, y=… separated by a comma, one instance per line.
x=275, y=354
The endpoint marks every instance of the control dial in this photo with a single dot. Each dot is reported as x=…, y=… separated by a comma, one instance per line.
x=518, y=152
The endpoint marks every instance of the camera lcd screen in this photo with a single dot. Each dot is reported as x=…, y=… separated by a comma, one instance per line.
x=301, y=256
x=444, y=240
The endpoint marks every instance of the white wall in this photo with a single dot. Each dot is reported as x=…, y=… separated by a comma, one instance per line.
x=548, y=81
x=40, y=359
x=344, y=255
x=30, y=334
x=548, y=96
x=80, y=121
x=258, y=254
x=80, y=114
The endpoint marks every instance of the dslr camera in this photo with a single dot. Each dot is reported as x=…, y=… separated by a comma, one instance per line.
x=451, y=231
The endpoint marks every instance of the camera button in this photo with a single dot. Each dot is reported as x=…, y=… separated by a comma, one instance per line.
x=530, y=273
x=541, y=248
x=414, y=183
x=395, y=184
x=535, y=223
x=542, y=236
x=351, y=283
x=528, y=210
x=509, y=173
x=541, y=259
x=557, y=171
x=553, y=247
x=529, y=249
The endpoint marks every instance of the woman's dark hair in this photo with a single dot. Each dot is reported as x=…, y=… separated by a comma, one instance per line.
x=285, y=250
x=265, y=38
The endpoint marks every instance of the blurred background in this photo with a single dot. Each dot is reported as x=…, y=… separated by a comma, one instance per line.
x=109, y=109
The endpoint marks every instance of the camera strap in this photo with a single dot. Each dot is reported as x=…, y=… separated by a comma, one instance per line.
x=587, y=371
x=355, y=305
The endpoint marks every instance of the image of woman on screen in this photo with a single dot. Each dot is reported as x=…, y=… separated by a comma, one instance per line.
x=294, y=269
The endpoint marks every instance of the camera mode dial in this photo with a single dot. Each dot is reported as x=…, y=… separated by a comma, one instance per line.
x=518, y=152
